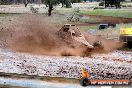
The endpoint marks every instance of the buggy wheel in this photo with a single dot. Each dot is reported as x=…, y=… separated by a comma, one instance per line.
x=129, y=44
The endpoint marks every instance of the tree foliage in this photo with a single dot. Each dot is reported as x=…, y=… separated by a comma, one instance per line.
x=54, y=2
x=50, y=4
x=5, y=2
x=112, y=3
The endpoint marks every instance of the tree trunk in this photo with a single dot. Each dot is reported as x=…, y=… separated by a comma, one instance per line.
x=25, y=3
x=50, y=9
x=62, y=4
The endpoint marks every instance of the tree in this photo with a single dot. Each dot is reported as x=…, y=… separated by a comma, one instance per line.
x=50, y=4
x=62, y=2
x=112, y=3
x=4, y=2
x=77, y=1
x=25, y=3
x=68, y=3
x=7, y=2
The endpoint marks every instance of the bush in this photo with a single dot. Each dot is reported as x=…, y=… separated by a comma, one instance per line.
x=101, y=4
x=34, y=9
x=68, y=3
x=123, y=5
x=129, y=5
x=74, y=16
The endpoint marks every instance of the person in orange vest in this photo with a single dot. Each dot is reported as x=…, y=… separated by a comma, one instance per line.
x=84, y=80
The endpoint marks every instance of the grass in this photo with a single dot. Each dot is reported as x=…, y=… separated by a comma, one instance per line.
x=126, y=3
x=8, y=14
x=88, y=19
x=85, y=28
x=63, y=10
x=109, y=12
x=107, y=33
x=5, y=17
x=124, y=26
x=118, y=27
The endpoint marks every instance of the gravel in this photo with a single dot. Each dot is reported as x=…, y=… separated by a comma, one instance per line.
x=114, y=65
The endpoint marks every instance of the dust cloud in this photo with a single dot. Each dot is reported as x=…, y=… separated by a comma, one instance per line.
x=38, y=35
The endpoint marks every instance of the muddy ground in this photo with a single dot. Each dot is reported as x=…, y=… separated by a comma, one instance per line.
x=113, y=65
x=106, y=19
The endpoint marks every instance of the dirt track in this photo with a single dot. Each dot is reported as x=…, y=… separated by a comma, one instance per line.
x=106, y=19
x=37, y=35
x=115, y=65
x=111, y=19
